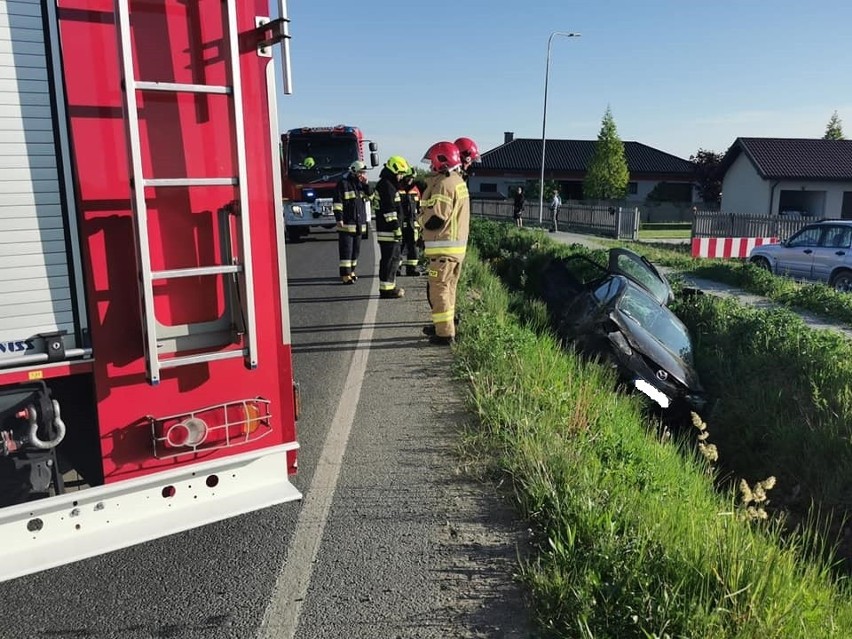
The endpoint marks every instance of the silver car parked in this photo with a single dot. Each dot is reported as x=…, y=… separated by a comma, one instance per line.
x=820, y=252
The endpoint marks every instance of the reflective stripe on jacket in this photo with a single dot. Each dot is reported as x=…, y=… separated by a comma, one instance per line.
x=350, y=203
x=389, y=212
x=446, y=198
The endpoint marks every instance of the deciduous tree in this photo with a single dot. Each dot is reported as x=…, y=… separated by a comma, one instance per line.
x=708, y=174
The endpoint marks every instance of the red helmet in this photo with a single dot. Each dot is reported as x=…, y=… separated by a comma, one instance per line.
x=468, y=149
x=443, y=156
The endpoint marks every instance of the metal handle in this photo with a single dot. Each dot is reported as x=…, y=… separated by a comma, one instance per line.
x=285, y=47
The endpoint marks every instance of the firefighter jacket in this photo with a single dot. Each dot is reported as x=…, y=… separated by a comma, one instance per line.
x=445, y=216
x=410, y=199
x=350, y=203
x=389, y=208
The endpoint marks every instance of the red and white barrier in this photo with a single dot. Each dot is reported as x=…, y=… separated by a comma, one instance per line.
x=727, y=247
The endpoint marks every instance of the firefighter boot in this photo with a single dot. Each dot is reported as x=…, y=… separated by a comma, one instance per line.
x=392, y=294
x=347, y=279
x=440, y=340
x=429, y=329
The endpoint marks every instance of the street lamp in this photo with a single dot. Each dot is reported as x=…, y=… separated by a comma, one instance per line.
x=544, y=120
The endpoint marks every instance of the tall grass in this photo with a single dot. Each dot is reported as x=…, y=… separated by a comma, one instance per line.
x=630, y=537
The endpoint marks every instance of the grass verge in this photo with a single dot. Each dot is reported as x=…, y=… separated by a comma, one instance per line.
x=631, y=537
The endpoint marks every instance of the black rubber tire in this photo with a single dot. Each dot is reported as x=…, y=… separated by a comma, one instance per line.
x=841, y=281
x=762, y=262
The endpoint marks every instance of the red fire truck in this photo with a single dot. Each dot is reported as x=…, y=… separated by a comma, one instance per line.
x=146, y=384
x=313, y=159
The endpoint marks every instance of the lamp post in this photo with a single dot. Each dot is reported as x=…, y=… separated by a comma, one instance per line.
x=565, y=34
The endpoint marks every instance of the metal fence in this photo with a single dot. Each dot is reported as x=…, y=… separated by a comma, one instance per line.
x=609, y=221
x=719, y=224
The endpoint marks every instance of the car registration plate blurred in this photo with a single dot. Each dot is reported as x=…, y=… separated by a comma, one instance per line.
x=657, y=395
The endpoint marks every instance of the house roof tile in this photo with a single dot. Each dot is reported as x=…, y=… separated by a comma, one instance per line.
x=524, y=154
x=795, y=158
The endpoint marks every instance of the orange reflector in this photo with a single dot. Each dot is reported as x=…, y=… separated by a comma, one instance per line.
x=297, y=401
x=252, y=417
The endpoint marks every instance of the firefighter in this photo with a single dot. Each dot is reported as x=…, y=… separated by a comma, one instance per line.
x=350, y=212
x=388, y=229
x=469, y=153
x=445, y=220
x=409, y=194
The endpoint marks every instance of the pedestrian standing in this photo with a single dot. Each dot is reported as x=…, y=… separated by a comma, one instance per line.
x=409, y=194
x=518, y=208
x=350, y=212
x=388, y=229
x=555, y=204
x=445, y=220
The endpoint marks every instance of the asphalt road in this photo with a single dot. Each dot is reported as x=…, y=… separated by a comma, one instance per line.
x=391, y=539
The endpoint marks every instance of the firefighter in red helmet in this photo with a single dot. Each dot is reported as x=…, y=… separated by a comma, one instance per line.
x=445, y=221
x=469, y=153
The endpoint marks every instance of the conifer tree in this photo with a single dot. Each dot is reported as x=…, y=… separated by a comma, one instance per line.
x=607, y=175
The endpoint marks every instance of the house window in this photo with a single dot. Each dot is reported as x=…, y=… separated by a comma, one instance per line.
x=632, y=188
x=488, y=187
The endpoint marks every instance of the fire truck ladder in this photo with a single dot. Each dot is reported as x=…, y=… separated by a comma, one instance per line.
x=147, y=276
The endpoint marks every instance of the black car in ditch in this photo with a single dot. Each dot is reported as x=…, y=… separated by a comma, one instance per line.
x=619, y=314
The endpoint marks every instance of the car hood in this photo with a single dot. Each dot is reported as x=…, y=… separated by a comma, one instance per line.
x=766, y=249
x=646, y=343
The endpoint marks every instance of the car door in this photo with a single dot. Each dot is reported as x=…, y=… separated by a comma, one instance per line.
x=637, y=268
x=795, y=257
x=832, y=250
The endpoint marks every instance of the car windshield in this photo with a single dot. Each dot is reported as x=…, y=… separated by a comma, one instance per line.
x=326, y=153
x=657, y=320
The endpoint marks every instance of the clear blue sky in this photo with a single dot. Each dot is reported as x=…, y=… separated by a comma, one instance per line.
x=677, y=75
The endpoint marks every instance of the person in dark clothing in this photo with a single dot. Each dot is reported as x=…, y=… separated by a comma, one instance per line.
x=388, y=228
x=518, y=211
x=410, y=200
x=350, y=213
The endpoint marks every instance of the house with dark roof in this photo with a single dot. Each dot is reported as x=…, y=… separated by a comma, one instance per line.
x=518, y=161
x=788, y=176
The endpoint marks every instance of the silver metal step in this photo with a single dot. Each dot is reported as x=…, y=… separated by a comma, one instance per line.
x=201, y=358
x=177, y=87
x=224, y=181
x=196, y=272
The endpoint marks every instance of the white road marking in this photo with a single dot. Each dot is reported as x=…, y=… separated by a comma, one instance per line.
x=281, y=618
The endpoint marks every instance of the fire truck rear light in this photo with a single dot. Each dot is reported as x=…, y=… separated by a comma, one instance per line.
x=191, y=432
x=211, y=428
x=252, y=417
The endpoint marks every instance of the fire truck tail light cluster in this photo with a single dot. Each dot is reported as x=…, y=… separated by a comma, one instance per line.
x=192, y=433
x=211, y=428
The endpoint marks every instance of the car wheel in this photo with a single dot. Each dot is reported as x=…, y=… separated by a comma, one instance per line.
x=762, y=262
x=841, y=281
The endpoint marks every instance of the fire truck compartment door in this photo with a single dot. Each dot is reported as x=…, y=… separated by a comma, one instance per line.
x=39, y=248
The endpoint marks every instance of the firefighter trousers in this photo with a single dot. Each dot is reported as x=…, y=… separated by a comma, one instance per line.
x=409, y=251
x=444, y=273
x=388, y=264
x=348, y=248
